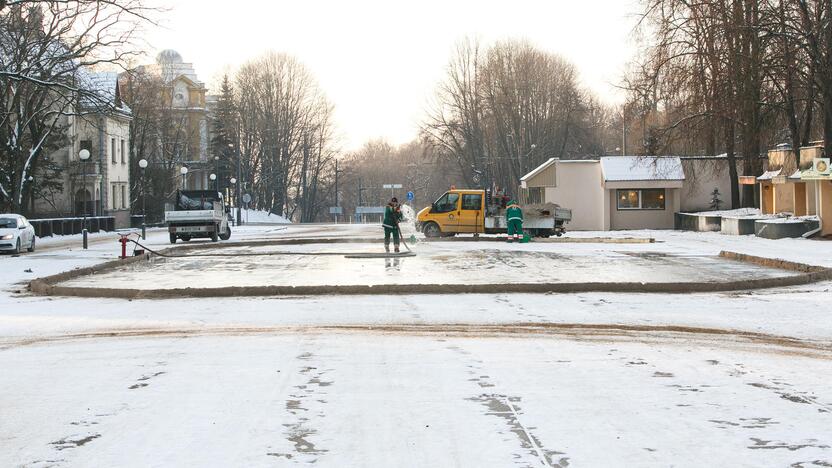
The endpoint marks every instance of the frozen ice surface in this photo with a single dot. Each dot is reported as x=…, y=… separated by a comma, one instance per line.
x=436, y=263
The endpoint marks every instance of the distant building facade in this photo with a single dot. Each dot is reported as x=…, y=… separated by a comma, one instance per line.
x=99, y=186
x=184, y=95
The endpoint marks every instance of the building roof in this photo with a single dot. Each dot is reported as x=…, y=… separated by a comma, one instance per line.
x=538, y=169
x=768, y=175
x=102, y=91
x=642, y=168
x=169, y=66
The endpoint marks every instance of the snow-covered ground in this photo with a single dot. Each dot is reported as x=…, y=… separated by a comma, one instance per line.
x=262, y=217
x=728, y=379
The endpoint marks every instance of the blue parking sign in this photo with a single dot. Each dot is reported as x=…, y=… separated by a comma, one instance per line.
x=410, y=196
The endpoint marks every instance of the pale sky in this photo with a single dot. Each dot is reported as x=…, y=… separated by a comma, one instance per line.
x=379, y=61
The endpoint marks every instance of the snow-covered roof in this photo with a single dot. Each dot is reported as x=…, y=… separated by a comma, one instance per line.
x=642, y=168
x=768, y=175
x=102, y=88
x=538, y=169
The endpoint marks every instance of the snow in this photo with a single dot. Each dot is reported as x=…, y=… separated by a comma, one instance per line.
x=768, y=175
x=737, y=213
x=790, y=219
x=341, y=381
x=263, y=217
x=641, y=168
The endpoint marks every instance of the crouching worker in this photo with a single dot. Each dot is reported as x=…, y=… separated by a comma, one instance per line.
x=514, y=218
x=392, y=216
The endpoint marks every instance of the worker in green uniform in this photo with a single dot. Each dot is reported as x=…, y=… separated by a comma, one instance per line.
x=392, y=216
x=514, y=219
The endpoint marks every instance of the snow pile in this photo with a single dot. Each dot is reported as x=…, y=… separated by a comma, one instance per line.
x=791, y=219
x=264, y=217
x=738, y=213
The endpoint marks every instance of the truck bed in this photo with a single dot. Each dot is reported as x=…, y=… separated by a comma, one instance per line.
x=193, y=216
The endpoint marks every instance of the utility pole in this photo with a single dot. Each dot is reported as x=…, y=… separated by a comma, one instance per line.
x=361, y=216
x=336, y=192
x=237, y=198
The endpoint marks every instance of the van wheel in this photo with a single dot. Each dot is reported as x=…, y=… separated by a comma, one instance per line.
x=172, y=238
x=186, y=238
x=432, y=230
x=214, y=236
x=227, y=234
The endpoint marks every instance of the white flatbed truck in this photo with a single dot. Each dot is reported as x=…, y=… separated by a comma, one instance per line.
x=197, y=213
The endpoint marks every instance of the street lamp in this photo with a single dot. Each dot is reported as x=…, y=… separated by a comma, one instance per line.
x=84, y=155
x=233, y=182
x=217, y=172
x=184, y=172
x=143, y=166
x=237, y=187
x=213, y=177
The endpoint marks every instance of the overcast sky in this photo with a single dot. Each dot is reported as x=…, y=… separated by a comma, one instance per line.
x=379, y=61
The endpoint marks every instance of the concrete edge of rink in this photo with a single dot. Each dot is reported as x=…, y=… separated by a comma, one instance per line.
x=805, y=274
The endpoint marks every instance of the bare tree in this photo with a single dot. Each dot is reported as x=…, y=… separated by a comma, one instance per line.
x=502, y=111
x=45, y=48
x=286, y=133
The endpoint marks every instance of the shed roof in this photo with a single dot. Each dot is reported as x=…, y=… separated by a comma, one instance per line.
x=642, y=168
x=768, y=175
x=538, y=169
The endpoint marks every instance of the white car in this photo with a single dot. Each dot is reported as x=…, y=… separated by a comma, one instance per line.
x=16, y=233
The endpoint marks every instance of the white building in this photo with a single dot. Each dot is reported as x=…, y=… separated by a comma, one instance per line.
x=100, y=186
x=627, y=192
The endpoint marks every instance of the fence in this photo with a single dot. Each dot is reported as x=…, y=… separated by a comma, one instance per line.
x=66, y=226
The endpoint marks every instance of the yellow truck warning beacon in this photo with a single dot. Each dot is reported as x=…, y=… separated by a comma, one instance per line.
x=478, y=212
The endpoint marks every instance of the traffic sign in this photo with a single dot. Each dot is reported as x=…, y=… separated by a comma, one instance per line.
x=392, y=186
x=410, y=196
x=335, y=210
x=246, y=198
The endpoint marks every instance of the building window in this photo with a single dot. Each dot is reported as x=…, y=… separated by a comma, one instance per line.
x=113, y=150
x=115, y=197
x=123, y=196
x=123, y=153
x=652, y=199
x=641, y=199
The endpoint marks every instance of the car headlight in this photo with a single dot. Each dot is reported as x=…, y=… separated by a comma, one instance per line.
x=7, y=237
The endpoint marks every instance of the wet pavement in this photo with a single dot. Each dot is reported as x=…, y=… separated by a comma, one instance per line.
x=435, y=263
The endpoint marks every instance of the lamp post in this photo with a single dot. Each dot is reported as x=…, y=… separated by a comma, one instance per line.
x=213, y=178
x=84, y=155
x=143, y=166
x=233, y=182
x=184, y=171
x=237, y=187
x=217, y=172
